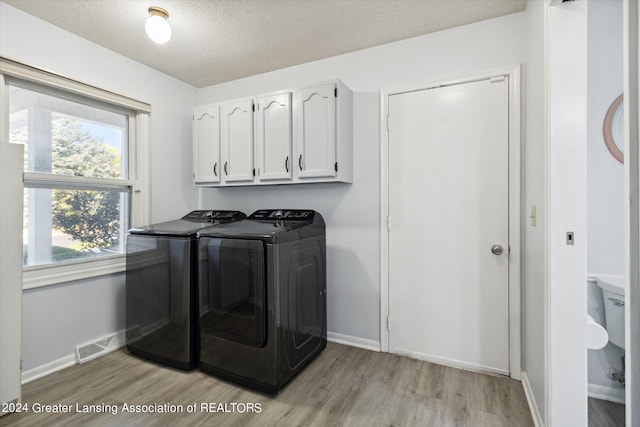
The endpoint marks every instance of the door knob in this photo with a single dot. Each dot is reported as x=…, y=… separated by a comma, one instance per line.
x=496, y=249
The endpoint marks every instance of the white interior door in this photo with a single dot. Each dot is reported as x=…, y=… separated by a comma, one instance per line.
x=448, y=206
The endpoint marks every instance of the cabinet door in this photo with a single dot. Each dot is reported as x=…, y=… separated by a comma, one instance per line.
x=316, y=132
x=274, y=137
x=237, y=141
x=206, y=144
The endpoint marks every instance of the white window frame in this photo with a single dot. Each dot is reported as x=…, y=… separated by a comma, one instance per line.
x=138, y=178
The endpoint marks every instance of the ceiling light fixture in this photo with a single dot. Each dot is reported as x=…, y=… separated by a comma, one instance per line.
x=157, y=26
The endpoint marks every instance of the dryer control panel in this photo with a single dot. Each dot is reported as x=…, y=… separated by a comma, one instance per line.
x=283, y=214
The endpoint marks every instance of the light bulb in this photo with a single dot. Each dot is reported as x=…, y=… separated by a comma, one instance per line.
x=157, y=26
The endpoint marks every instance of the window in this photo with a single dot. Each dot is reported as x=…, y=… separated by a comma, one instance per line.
x=82, y=184
x=68, y=217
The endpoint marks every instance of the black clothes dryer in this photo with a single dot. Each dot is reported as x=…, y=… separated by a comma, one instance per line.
x=161, y=287
x=263, y=297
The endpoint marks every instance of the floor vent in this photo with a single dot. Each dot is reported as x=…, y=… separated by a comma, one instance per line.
x=100, y=347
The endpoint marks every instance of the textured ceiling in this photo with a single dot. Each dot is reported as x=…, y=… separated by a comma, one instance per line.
x=220, y=40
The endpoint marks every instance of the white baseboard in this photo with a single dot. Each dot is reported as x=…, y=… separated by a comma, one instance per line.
x=531, y=400
x=48, y=368
x=612, y=394
x=353, y=341
x=448, y=362
x=69, y=360
x=119, y=342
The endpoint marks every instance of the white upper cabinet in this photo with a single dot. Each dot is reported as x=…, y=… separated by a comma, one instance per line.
x=324, y=133
x=291, y=136
x=237, y=141
x=206, y=144
x=273, y=137
x=317, y=132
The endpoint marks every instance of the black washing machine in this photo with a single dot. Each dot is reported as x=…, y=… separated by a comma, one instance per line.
x=161, y=287
x=262, y=291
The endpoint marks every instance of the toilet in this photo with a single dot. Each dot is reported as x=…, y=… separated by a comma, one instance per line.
x=613, y=294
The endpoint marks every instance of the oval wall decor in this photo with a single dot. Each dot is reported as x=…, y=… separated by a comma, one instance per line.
x=612, y=129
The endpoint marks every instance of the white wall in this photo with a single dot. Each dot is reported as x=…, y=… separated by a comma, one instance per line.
x=605, y=175
x=352, y=211
x=93, y=308
x=32, y=41
x=534, y=158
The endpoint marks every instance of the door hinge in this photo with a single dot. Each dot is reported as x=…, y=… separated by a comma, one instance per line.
x=335, y=92
x=388, y=223
x=388, y=123
x=388, y=323
x=336, y=166
x=253, y=107
x=21, y=364
x=496, y=79
x=254, y=171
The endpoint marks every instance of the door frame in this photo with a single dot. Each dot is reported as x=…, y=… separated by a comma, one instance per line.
x=515, y=137
x=631, y=43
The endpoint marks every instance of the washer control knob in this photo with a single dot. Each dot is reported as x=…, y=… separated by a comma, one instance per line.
x=278, y=215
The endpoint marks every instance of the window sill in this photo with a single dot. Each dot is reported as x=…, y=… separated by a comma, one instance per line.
x=39, y=276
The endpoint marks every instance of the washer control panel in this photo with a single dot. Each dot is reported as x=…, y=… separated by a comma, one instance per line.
x=283, y=214
x=212, y=216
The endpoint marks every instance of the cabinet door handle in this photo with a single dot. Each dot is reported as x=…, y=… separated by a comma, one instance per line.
x=286, y=164
x=300, y=161
x=215, y=166
x=225, y=168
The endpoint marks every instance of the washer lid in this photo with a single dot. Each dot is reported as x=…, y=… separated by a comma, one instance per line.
x=190, y=224
x=271, y=225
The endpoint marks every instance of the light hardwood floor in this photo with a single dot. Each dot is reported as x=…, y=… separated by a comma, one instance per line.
x=605, y=414
x=344, y=386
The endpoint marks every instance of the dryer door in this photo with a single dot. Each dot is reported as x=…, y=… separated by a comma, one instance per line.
x=232, y=290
